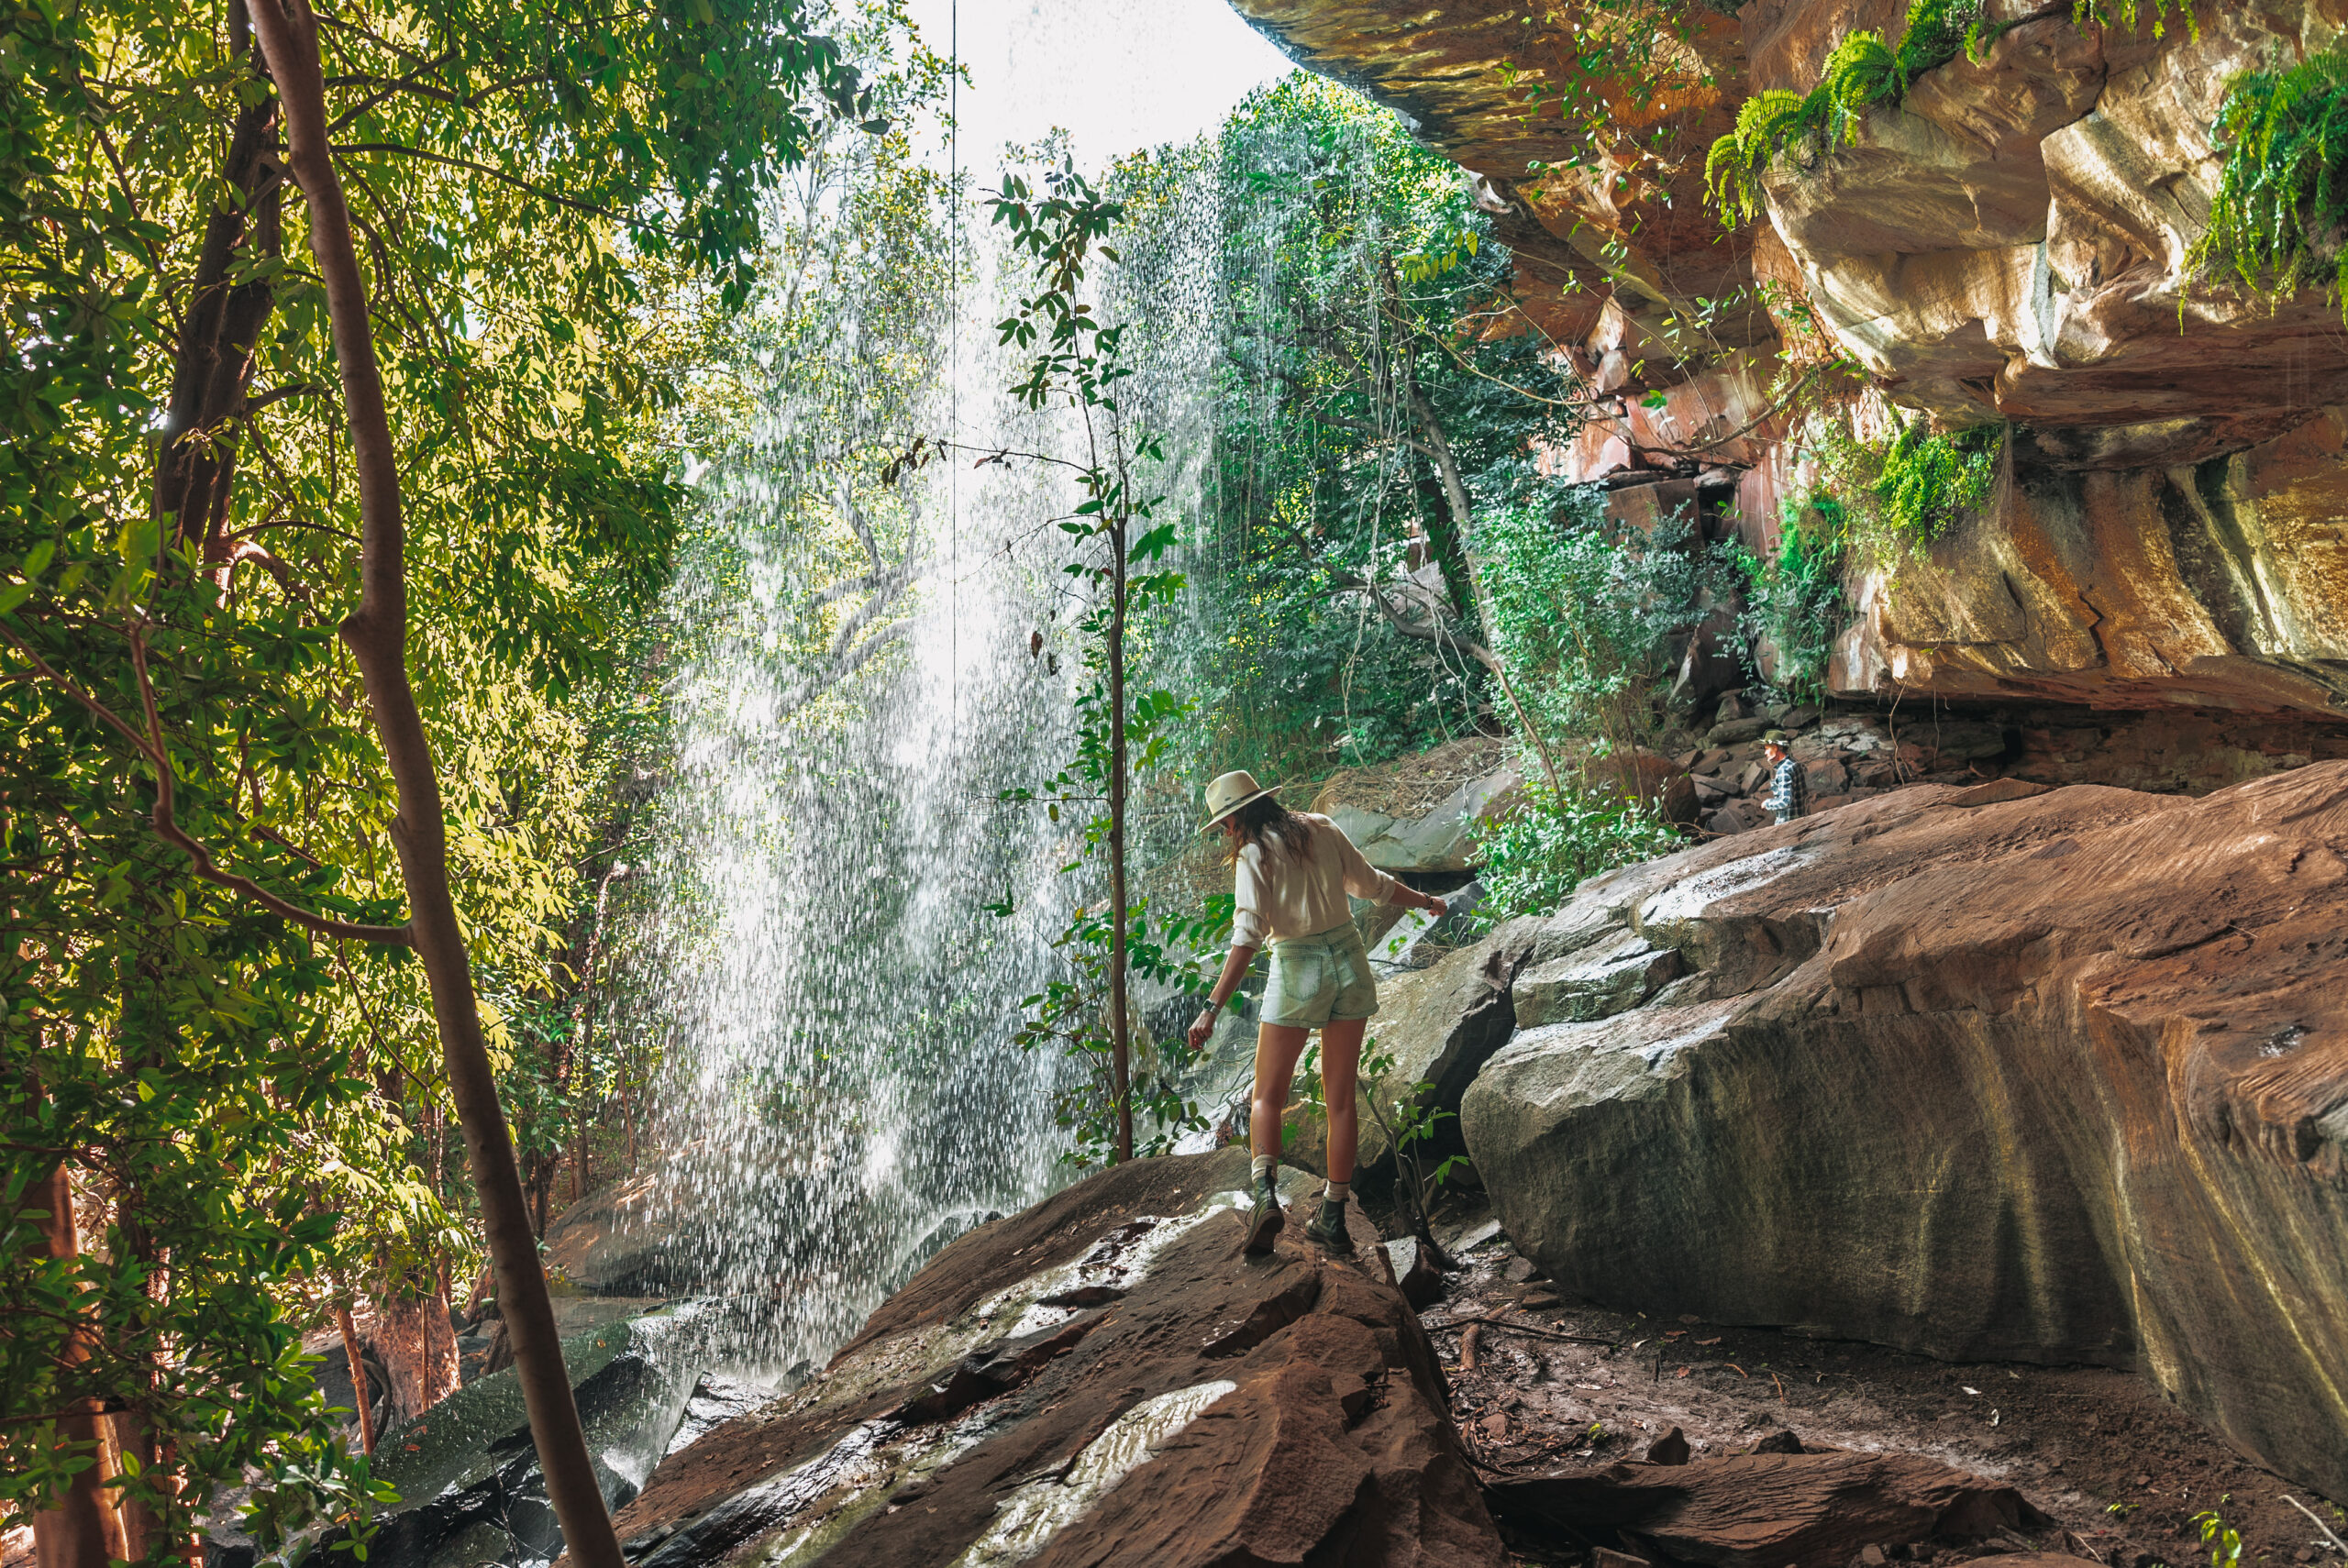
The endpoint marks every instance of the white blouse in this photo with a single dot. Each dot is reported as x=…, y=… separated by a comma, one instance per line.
x=1280, y=895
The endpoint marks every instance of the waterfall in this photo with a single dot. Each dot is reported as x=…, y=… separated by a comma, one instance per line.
x=835, y=1002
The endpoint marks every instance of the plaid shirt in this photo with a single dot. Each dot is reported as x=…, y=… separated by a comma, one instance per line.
x=1790, y=797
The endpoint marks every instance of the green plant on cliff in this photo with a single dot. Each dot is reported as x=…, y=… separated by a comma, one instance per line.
x=1902, y=491
x=1930, y=479
x=1865, y=70
x=2282, y=197
x=1795, y=597
x=1862, y=71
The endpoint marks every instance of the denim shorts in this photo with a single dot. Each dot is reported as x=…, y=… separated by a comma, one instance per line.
x=1320, y=978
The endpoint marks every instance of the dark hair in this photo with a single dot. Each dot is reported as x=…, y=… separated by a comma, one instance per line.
x=1265, y=822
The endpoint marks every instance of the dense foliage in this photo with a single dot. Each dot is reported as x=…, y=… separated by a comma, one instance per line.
x=1535, y=855
x=242, y=1086
x=1793, y=599
x=1592, y=615
x=1379, y=393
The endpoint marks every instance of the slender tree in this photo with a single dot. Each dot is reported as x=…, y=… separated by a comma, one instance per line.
x=377, y=636
x=1079, y=363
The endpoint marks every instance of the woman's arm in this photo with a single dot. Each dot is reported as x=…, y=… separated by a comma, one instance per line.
x=1410, y=898
x=1235, y=968
x=1364, y=880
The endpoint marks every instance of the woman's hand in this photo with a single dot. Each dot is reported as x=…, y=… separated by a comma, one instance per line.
x=1434, y=904
x=1203, y=1029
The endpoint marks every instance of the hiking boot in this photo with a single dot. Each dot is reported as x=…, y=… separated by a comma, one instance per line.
x=1328, y=1227
x=1268, y=1219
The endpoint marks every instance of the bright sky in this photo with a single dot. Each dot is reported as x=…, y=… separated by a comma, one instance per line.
x=1119, y=75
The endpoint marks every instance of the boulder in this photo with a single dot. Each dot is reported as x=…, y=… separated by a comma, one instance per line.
x=467, y=1472
x=1414, y=1272
x=2054, y=1079
x=1766, y=1510
x=1103, y=1378
x=1440, y=840
x=610, y=1242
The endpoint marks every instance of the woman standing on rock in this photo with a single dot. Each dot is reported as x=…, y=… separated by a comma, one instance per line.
x=1294, y=870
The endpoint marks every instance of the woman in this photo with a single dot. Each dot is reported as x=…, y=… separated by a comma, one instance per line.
x=1294, y=871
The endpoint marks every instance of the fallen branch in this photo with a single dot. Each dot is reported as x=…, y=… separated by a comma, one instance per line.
x=2335, y=1541
x=1521, y=1328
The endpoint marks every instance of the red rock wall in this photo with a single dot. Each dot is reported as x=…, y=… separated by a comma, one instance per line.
x=2009, y=244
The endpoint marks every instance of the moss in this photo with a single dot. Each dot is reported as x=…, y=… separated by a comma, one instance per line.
x=2278, y=222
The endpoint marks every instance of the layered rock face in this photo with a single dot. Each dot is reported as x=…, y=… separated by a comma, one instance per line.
x=2052, y=1076
x=1100, y=1379
x=2009, y=243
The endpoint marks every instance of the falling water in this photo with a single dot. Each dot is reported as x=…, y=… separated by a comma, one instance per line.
x=837, y=1003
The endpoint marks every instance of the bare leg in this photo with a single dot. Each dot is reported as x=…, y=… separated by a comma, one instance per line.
x=1278, y=1046
x=1340, y=1064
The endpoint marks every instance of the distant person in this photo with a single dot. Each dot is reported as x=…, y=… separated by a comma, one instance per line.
x=1790, y=785
x=1294, y=870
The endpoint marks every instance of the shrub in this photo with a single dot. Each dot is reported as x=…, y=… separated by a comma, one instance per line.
x=1536, y=855
x=1795, y=598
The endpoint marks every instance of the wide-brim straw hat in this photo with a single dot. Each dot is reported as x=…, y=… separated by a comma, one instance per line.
x=1228, y=793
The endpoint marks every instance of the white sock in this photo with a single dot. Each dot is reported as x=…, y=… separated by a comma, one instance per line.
x=1338, y=1192
x=1262, y=1165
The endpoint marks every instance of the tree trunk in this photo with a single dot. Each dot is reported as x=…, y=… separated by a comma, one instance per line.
x=376, y=634
x=1443, y=539
x=196, y=461
x=82, y=1531
x=1120, y=1025
x=1455, y=493
x=358, y=1376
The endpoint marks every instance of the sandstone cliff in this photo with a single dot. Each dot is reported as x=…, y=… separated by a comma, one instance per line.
x=2008, y=244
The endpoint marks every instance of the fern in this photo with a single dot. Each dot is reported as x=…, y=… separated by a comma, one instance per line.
x=1929, y=482
x=1863, y=72
x=2282, y=202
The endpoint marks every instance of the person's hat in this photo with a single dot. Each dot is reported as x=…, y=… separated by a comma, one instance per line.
x=1777, y=737
x=1228, y=793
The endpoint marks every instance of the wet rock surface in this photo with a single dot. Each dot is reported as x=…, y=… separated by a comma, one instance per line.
x=2059, y=1078
x=1103, y=1378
